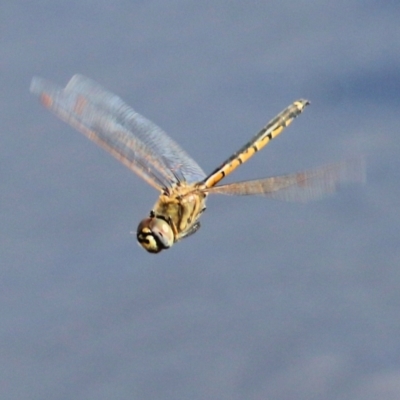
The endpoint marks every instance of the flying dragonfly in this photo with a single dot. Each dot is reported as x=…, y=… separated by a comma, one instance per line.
x=148, y=151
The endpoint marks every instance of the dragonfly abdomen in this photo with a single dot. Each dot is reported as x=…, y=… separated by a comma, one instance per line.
x=269, y=132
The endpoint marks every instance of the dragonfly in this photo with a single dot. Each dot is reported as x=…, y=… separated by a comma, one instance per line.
x=148, y=151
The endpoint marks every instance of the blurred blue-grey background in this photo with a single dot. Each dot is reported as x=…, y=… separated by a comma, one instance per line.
x=269, y=300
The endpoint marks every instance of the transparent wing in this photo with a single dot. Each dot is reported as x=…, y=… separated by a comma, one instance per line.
x=105, y=119
x=302, y=186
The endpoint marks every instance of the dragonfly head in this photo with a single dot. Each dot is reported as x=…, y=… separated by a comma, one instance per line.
x=155, y=234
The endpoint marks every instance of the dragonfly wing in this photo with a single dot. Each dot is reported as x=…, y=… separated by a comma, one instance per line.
x=302, y=186
x=134, y=140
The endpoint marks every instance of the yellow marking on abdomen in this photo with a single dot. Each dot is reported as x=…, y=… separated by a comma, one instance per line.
x=269, y=132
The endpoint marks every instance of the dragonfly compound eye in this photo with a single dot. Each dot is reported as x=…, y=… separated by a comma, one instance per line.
x=154, y=234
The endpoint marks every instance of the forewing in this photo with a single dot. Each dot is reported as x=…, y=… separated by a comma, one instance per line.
x=134, y=140
x=302, y=186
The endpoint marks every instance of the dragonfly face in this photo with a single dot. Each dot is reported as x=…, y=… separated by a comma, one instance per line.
x=155, y=234
x=145, y=149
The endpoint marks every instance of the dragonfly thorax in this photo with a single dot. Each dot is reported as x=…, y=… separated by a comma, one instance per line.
x=174, y=217
x=155, y=234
